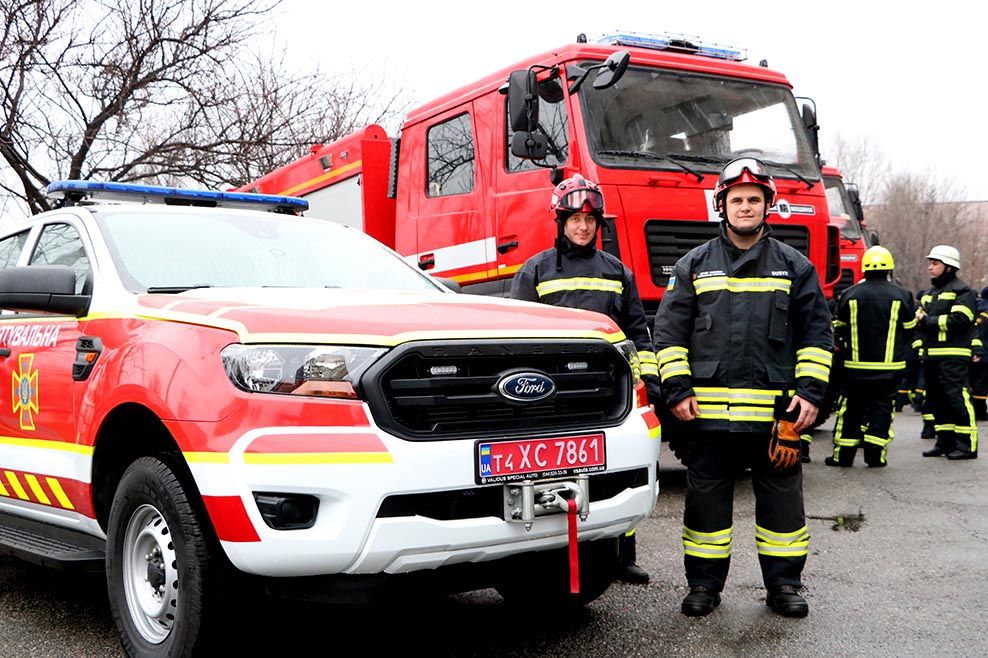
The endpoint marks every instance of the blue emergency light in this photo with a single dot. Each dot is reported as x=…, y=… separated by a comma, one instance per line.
x=78, y=191
x=674, y=42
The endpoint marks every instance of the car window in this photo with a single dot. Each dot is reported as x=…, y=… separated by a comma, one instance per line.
x=10, y=249
x=60, y=244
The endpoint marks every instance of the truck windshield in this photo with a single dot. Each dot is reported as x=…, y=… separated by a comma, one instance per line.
x=701, y=121
x=176, y=249
x=840, y=208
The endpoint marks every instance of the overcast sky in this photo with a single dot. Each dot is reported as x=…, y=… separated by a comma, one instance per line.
x=912, y=81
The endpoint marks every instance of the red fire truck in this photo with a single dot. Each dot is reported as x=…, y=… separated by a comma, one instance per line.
x=463, y=193
x=846, y=213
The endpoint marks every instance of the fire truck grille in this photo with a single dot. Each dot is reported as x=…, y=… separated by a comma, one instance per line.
x=669, y=240
x=430, y=390
x=846, y=281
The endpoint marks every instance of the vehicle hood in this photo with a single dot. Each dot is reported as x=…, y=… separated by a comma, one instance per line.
x=370, y=317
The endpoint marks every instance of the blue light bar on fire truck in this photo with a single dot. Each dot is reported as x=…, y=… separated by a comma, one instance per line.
x=73, y=192
x=676, y=43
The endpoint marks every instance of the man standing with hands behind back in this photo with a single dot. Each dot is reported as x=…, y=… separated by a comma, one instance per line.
x=743, y=339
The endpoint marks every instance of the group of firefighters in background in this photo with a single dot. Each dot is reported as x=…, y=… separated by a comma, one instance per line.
x=738, y=363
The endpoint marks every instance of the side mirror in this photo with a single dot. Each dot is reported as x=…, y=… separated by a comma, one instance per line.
x=855, y=196
x=614, y=68
x=42, y=288
x=523, y=101
x=812, y=127
x=530, y=145
x=874, y=238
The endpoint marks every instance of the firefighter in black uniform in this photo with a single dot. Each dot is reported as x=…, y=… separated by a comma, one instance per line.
x=873, y=331
x=743, y=338
x=946, y=325
x=575, y=274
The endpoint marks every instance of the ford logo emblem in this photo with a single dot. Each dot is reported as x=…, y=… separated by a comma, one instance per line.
x=526, y=387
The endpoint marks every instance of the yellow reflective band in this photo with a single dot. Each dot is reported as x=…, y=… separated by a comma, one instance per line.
x=949, y=351
x=963, y=310
x=706, y=551
x=796, y=549
x=646, y=357
x=925, y=299
x=735, y=414
x=877, y=440
x=875, y=365
x=977, y=343
x=650, y=369
x=732, y=284
x=800, y=534
x=822, y=357
x=579, y=283
x=839, y=323
x=672, y=353
x=944, y=428
x=813, y=370
x=845, y=442
x=56, y=488
x=854, y=329
x=716, y=537
x=947, y=295
x=15, y=484
x=890, y=339
x=918, y=343
x=674, y=370
x=35, y=486
x=735, y=395
x=910, y=325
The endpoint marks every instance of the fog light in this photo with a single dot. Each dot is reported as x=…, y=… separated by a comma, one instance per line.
x=287, y=511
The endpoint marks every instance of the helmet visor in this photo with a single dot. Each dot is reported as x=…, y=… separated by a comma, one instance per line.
x=734, y=169
x=581, y=199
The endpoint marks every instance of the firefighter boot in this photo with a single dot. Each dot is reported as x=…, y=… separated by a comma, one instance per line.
x=786, y=601
x=700, y=602
x=628, y=570
x=928, y=430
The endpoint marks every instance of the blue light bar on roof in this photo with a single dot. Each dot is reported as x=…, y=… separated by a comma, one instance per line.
x=78, y=190
x=674, y=42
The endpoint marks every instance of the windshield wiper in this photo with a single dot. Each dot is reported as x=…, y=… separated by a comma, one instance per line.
x=645, y=155
x=773, y=163
x=174, y=290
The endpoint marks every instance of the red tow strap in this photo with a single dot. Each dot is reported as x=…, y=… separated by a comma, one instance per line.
x=574, y=551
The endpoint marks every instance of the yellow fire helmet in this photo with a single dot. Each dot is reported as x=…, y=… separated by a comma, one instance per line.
x=877, y=258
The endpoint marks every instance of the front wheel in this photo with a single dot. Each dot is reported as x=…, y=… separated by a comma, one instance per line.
x=157, y=562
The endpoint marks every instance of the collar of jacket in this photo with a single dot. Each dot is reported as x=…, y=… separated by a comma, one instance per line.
x=570, y=249
x=739, y=257
x=943, y=279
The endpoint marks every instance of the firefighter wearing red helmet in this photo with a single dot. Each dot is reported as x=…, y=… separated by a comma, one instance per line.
x=873, y=328
x=575, y=274
x=744, y=343
x=946, y=318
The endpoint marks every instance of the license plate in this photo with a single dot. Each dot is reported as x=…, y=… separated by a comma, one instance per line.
x=533, y=459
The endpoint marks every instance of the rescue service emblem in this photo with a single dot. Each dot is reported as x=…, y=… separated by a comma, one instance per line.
x=527, y=386
x=25, y=391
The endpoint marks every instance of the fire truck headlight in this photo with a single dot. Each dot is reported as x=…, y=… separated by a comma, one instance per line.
x=630, y=352
x=321, y=371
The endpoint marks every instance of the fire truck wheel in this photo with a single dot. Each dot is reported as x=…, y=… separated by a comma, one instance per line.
x=542, y=581
x=157, y=562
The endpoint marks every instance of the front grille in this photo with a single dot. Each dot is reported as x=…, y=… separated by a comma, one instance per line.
x=409, y=401
x=668, y=240
x=479, y=502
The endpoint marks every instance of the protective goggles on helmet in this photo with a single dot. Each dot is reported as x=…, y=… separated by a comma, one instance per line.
x=582, y=199
x=734, y=169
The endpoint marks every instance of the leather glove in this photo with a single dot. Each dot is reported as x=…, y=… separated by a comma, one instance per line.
x=783, y=447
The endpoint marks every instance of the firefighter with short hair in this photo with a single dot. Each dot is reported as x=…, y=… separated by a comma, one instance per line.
x=946, y=325
x=873, y=330
x=575, y=274
x=744, y=340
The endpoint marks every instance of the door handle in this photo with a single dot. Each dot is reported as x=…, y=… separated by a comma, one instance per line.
x=506, y=246
x=4, y=352
x=427, y=261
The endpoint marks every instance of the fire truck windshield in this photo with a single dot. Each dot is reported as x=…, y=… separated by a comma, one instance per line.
x=230, y=248
x=701, y=121
x=840, y=208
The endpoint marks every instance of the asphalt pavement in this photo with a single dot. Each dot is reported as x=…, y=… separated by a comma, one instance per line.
x=898, y=566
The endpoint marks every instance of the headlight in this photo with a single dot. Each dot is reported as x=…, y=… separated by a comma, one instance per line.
x=630, y=352
x=322, y=370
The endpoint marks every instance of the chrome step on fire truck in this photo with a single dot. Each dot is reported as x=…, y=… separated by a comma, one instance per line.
x=202, y=390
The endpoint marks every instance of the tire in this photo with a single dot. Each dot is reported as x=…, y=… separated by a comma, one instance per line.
x=542, y=579
x=157, y=563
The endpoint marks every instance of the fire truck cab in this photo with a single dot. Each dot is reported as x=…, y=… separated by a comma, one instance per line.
x=844, y=204
x=459, y=194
